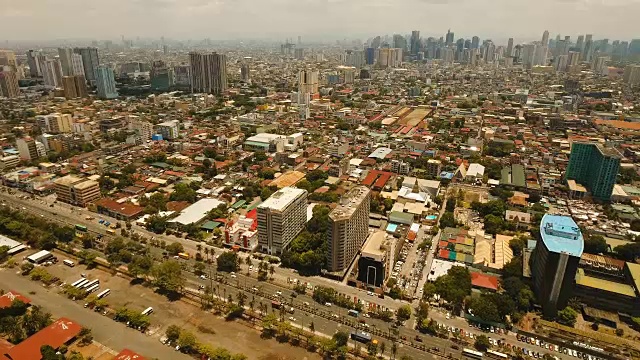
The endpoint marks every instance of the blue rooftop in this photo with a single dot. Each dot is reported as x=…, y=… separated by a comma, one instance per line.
x=561, y=235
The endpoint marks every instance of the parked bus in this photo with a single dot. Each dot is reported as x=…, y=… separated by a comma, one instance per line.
x=354, y=313
x=360, y=336
x=104, y=293
x=497, y=355
x=93, y=288
x=184, y=256
x=147, y=311
x=69, y=263
x=81, y=228
x=91, y=283
x=472, y=353
x=77, y=282
x=81, y=283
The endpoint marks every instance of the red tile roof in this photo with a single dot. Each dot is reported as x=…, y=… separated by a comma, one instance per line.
x=484, y=281
x=8, y=297
x=55, y=335
x=127, y=354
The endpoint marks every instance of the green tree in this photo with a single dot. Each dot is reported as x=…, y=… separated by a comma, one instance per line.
x=482, y=343
x=140, y=265
x=447, y=220
x=168, y=276
x=187, y=341
x=228, y=261
x=567, y=316
x=454, y=286
x=341, y=338
x=595, y=244
x=175, y=248
x=183, y=192
x=403, y=313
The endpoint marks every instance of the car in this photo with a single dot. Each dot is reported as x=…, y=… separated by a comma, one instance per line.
x=255, y=289
x=418, y=338
x=201, y=287
x=335, y=316
x=328, y=304
x=86, y=305
x=455, y=347
x=537, y=342
x=448, y=316
x=306, y=303
x=294, y=295
x=292, y=318
x=370, y=293
x=203, y=277
x=233, y=276
x=279, y=293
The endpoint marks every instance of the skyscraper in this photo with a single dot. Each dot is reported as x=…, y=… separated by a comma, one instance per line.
x=90, y=63
x=208, y=72
x=74, y=86
x=308, y=82
x=106, y=83
x=348, y=228
x=8, y=83
x=449, y=38
x=415, y=42
x=632, y=74
x=370, y=55
x=475, y=42
x=161, y=76
x=77, y=67
x=399, y=42
x=528, y=55
x=51, y=73
x=66, y=61
x=509, y=51
x=594, y=166
x=281, y=218
x=580, y=43
x=34, y=65
x=554, y=262
x=545, y=38
x=588, y=48
x=245, y=73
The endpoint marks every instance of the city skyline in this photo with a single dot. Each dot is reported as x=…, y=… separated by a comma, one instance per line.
x=276, y=19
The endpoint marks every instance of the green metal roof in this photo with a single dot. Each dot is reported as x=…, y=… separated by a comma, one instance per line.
x=238, y=204
x=210, y=225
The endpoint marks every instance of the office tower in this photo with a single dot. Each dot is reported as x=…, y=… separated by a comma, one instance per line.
x=106, y=83
x=299, y=53
x=66, y=61
x=245, y=73
x=449, y=38
x=460, y=45
x=448, y=56
x=169, y=129
x=52, y=73
x=399, y=42
x=588, y=48
x=632, y=74
x=208, y=72
x=573, y=58
x=355, y=58
x=467, y=44
x=281, y=218
x=415, y=42
x=161, y=76
x=370, y=55
x=545, y=38
x=165, y=49
x=8, y=58
x=144, y=129
x=488, y=51
x=9, y=87
x=509, y=48
x=29, y=149
x=475, y=42
x=348, y=228
x=74, y=86
x=55, y=123
x=528, y=55
x=77, y=67
x=375, y=43
x=600, y=64
x=594, y=166
x=90, y=63
x=634, y=47
x=75, y=190
x=34, y=64
x=554, y=262
x=308, y=82
x=580, y=43
x=182, y=75
x=560, y=63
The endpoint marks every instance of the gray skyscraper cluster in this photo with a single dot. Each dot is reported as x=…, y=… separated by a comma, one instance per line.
x=208, y=72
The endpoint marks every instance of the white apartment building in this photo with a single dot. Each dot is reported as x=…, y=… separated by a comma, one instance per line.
x=281, y=218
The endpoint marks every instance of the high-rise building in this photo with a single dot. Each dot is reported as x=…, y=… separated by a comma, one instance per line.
x=415, y=43
x=560, y=63
x=509, y=51
x=74, y=86
x=106, y=83
x=8, y=58
x=34, y=64
x=475, y=42
x=370, y=55
x=77, y=67
x=161, y=76
x=600, y=65
x=208, y=72
x=528, y=55
x=634, y=47
x=245, y=73
x=66, y=62
x=580, y=43
x=449, y=38
x=52, y=73
x=573, y=58
x=144, y=129
x=632, y=74
x=354, y=58
x=588, y=48
x=400, y=42
x=554, y=262
x=9, y=87
x=28, y=148
x=182, y=74
x=545, y=38
x=594, y=166
x=308, y=82
x=76, y=190
x=281, y=218
x=348, y=228
x=90, y=63
x=55, y=123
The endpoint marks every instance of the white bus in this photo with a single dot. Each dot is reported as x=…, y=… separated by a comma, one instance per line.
x=75, y=284
x=81, y=283
x=472, y=353
x=147, y=311
x=497, y=355
x=93, y=288
x=69, y=263
x=91, y=283
x=104, y=293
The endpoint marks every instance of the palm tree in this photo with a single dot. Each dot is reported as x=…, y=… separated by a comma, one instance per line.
x=199, y=248
x=394, y=349
x=252, y=304
x=272, y=271
x=248, y=260
x=383, y=346
x=206, y=253
x=241, y=298
x=312, y=327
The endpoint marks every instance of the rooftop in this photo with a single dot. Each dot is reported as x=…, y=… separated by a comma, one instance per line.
x=68, y=180
x=54, y=335
x=373, y=245
x=127, y=354
x=606, y=285
x=349, y=203
x=561, y=234
x=7, y=299
x=282, y=198
x=197, y=211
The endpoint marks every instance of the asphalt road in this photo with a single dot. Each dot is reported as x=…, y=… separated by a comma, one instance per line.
x=106, y=331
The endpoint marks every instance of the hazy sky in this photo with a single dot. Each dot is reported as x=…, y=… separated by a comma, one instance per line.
x=314, y=19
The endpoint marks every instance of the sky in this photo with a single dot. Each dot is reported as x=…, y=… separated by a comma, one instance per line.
x=524, y=20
